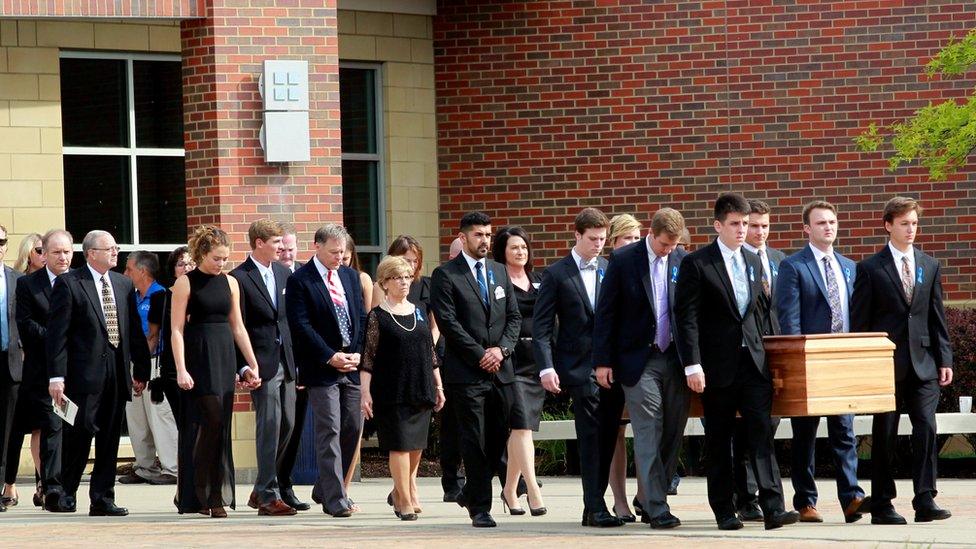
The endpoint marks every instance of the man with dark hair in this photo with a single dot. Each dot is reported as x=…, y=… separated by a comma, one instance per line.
x=813, y=297
x=899, y=291
x=633, y=345
x=476, y=310
x=262, y=282
x=569, y=295
x=721, y=314
x=152, y=426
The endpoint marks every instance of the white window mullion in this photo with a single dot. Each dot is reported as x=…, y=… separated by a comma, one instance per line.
x=133, y=178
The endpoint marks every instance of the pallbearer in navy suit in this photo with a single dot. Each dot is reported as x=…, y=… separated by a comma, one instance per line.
x=899, y=291
x=813, y=297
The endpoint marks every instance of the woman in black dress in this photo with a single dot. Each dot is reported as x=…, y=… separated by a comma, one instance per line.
x=400, y=383
x=205, y=325
x=511, y=247
x=160, y=307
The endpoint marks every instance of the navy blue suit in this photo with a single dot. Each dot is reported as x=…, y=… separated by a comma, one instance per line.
x=803, y=308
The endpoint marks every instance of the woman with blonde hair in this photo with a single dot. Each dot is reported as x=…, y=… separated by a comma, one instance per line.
x=624, y=230
x=30, y=255
x=401, y=385
x=206, y=323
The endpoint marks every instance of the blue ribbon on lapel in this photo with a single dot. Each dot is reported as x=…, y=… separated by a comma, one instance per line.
x=919, y=276
x=600, y=273
x=674, y=274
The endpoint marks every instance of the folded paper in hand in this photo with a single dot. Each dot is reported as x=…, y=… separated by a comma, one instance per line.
x=67, y=411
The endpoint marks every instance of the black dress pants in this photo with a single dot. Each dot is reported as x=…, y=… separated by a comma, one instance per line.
x=597, y=416
x=482, y=412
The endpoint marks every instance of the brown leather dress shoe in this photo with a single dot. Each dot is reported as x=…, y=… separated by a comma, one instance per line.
x=856, y=509
x=810, y=514
x=276, y=508
x=218, y=512
x=253, y=502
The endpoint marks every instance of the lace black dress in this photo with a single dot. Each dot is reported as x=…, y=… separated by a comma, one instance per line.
x=206, y=464
x=528, y=392
x=400, y=356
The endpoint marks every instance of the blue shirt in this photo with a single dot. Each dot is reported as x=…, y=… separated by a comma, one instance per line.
x=142, y=305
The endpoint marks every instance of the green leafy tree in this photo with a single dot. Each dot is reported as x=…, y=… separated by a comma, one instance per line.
x=941, y=136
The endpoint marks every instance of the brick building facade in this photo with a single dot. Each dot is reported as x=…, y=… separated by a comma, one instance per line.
x=630, y=105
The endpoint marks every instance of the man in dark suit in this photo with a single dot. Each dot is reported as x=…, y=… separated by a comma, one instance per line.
x=899, y=291
x=93, y=334
x=289, y=455
x=328, y=321
x=452, y=472
x=262, y=281
x=722, y=314
x=746, y=489
x=569, y=294
x=813, y=297
x=633, y=345
x=11, y=357
x=33, y=303
x=476, y=310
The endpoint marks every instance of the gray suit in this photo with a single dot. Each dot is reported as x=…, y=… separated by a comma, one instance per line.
x=11, y=365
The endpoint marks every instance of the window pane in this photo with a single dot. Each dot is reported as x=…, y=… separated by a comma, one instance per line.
x=368, y=261
x=93, y=103
x=97, y=196
x=360, y=205
x=158, y=88
x=357, y=107
x=162, y=199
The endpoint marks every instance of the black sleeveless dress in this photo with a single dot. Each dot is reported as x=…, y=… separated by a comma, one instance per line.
x=528, y=393
x=206, y=465
x=400, y=356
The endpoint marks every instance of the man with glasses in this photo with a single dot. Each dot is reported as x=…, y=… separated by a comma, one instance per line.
x=93, y=334
x=11, y=358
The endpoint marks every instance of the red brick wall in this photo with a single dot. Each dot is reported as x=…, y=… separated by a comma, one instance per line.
x=227, y=179
x=630, y=105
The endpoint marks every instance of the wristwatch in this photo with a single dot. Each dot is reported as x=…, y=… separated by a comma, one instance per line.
x=505, y=351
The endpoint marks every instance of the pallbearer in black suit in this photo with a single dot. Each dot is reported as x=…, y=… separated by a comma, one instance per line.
x=721, y=314
x=476, y=310
x=262, y=283
x=569, y=295
x=328, y=322
x=93, y=333
x=33, y=303
x=11, y=357
x=746, y=490
x=899, y=291
x=633, y=346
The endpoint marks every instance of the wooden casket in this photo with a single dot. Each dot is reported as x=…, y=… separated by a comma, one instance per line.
x=828, y=374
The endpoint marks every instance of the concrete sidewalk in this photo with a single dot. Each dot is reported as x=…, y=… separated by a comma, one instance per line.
x=153, y=522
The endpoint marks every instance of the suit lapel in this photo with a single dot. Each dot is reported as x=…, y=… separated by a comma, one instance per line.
x=920, y=268
x=577, y=277
x=121, y=307
x=255, y=275
x=601, y=270
x=810, y=261
x=847, y=269
x=672, y=276
x=88, y=285
x=644, y=268
x=318, y=283
x=468, y=275
x=888, y=264
x=718, y=263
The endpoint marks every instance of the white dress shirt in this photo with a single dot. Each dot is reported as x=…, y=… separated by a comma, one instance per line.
x=471, y=266
x=727, y=255
x=841, y=279
x=51, y=276
x=910, y=254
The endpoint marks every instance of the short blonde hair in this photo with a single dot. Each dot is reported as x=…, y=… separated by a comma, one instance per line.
x=668, y=220
x=264, y=229
x=392, y=266
x=623, y=224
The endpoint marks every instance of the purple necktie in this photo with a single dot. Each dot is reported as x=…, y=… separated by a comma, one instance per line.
x=663, y=336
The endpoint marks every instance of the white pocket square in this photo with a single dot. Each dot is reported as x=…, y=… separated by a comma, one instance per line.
x=499, y=292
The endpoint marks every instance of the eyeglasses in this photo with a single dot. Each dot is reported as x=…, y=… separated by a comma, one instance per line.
x=38, y=251
x=109, y=249
x=3, y=241
x=402, y=278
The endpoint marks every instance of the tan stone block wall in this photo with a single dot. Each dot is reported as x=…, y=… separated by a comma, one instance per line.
x=404, y=45
x=31, y=178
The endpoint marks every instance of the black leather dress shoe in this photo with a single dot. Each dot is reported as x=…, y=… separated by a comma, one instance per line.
x=461, y=500
x=778, y=519
x=3, y=508
x=664, y=522
x=107, y=510
x=316, y=498
x=483, y=520
x=294, y=502
x=451, y=497
x=750, y=513
x=928, y=515
x=601, y=519
x=887, y=516
x=730, y=522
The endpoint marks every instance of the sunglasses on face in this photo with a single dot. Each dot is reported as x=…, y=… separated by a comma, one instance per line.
x=38, y=251
x=3, y=241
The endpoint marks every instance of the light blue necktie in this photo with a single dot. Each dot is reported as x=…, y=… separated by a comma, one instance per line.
x=740, y=285
x=4, y=328
x=482, y=284
x=269, y=283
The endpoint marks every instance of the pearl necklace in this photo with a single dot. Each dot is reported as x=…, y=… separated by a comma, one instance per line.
x=389, y=309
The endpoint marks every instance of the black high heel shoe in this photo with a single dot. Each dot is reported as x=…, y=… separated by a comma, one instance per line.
x=389, y=499
x=511, y=510
x=638, y=508
x=626, y=517
x=538, y=511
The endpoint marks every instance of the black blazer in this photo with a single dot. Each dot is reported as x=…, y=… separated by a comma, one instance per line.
x=562, y=297
x=776, y=258
x=918, y=329
x=77, y=339
x=468, y=329
x=15, y=357
x=709, y=330
x=625, y=319
x=267, y=325
x=315, y=326
x=33, y=301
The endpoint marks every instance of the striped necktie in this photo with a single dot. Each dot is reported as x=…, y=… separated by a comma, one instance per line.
x=339, y=300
